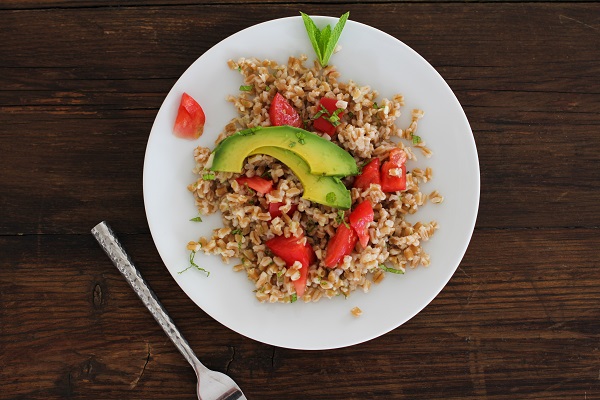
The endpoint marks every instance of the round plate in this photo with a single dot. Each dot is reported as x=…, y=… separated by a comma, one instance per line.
x=369, y=57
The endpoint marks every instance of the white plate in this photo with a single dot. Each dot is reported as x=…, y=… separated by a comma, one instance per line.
x=369, y=57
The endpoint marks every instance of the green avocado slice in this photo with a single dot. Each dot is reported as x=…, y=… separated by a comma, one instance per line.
x=326, y=190
x=322, y=156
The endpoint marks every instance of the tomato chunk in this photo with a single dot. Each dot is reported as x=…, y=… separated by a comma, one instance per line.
x=390, y=182
x=276, y=212
x=291, y=250
x=281, y=112
x=257, y=183
x=340, y=245
x=360, y=219
x=190, y=120
x=368, y=175
x=323, y=123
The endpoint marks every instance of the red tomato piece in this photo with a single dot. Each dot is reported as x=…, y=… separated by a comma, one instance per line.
x=291, y=250
x=360, y=219
x=190, y=120
x=257, y=183
x=276, y=212
x=368, y=175
x=392, y=183
x=340, y=245
x=322, y=123
x=281, y=112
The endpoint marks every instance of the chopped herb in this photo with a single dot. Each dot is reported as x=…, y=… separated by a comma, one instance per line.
x=266, y=174
x=292, y=144
x=334, y=118
x=375, y=106
x=340, y=219
x=350, y=114
x=193, y=264
x=416, y=139
x=322, y=111
x=280, y=273
x=267, y=88
x=331, y=197
x=239, y=68
x=196, y=219
x=248, y=132
x=239, y=245
x=324, y=41
x=236, y=232
x=301, y=141
x=246, y=88
x=208, y=177
x=294, y=298
x=392, y=270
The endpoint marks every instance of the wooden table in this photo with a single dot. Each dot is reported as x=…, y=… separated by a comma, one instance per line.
x=80, y=85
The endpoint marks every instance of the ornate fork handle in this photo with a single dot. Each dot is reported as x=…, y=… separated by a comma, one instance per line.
x=115, y=251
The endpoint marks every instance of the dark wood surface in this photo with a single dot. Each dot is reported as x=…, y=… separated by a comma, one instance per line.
x=80, y=85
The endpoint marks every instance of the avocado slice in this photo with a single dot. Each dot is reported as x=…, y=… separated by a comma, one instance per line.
x=323, y=157
x=326, y=190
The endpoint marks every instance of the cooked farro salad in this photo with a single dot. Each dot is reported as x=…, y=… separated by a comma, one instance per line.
x=311, y=181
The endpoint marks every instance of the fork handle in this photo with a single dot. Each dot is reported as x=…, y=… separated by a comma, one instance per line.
x=119, y=257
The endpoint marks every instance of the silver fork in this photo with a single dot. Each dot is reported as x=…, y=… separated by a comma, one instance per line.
x=212, y=385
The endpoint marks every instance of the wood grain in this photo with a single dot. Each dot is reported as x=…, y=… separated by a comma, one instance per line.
x=80, y=85
x=75, y=329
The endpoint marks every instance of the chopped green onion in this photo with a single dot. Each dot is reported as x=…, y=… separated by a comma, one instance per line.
x=294, y=298
x=267, y=88
x=292, y=144
x=208, y=177
x=416, y=139
x=196, y=219
x=392, y=270
x=246, y=88
x=236, y=232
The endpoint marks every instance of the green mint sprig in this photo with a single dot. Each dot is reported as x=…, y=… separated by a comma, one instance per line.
x=324, y=40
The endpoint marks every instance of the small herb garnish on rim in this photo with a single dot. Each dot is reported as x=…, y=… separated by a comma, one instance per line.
x=193, y=264
x=324, y=41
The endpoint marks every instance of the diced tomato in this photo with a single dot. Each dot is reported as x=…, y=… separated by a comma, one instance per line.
x=291, y=250
x=392, y=183
x=340, y=245
x=257, y=183
x=190, y=120
x=281, y=112
x=360, y=219
x=368, y=175
x=276, y=212
x=322, y=123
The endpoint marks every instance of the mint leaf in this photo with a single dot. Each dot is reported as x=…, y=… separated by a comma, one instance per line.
x=335, y=36
x=313, y=33
x=324, y=41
